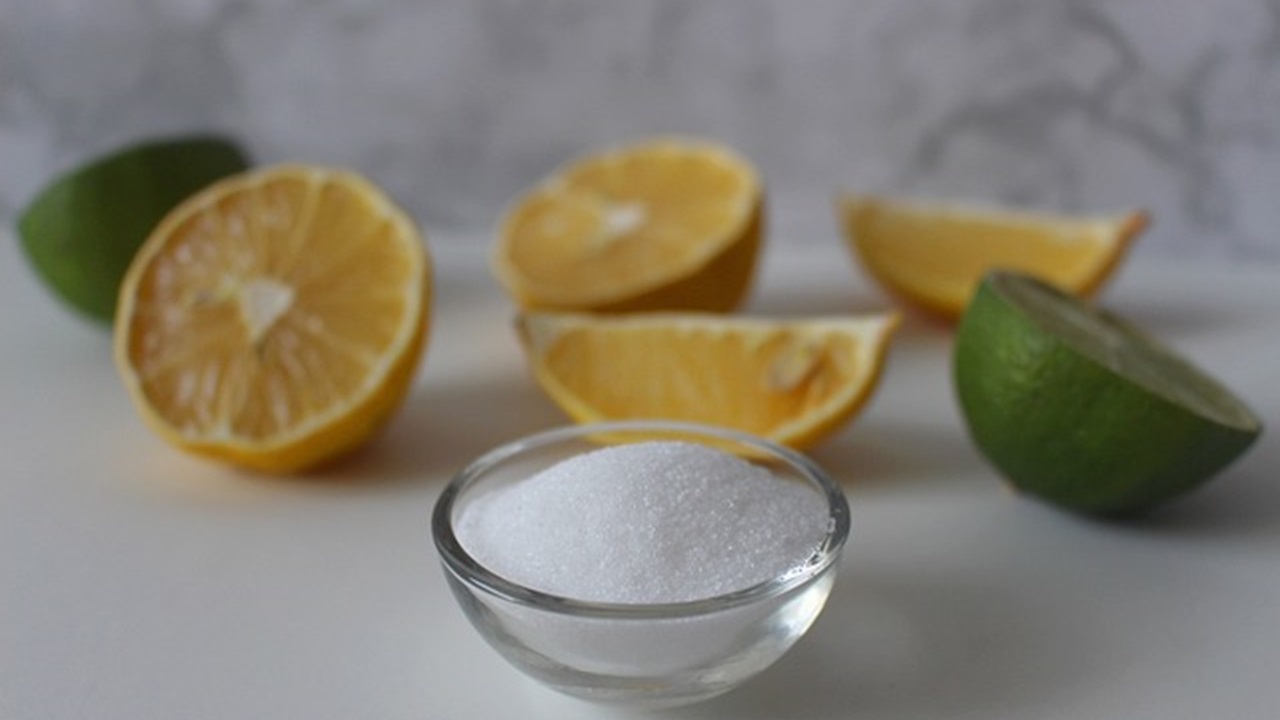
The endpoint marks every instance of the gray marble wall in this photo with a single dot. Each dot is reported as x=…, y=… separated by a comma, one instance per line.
x=453, y=106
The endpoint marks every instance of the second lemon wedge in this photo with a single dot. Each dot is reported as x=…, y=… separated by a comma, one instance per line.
x=934, y=254
x=791, y=381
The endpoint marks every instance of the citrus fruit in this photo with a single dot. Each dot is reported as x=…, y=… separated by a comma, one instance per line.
x=275, y=318
x=665, y=224
x=933, y=255
x=1081, y=409
x=790, y=381
x=81, y=230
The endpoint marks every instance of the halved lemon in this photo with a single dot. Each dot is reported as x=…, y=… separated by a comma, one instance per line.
x=791, y=381
x=935, y=254
x=667, y=224
x=275, y=319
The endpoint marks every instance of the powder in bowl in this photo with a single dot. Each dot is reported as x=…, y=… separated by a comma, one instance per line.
x=648, y=522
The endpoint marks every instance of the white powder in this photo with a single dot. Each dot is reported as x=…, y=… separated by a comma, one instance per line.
x=644, y=523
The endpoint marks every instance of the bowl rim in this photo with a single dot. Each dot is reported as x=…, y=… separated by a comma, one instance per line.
x=471, y=572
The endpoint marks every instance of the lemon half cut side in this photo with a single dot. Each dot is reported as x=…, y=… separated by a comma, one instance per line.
x=275, y=319
x=664, y=224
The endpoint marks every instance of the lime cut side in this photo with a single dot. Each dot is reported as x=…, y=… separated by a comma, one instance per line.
x=81, y=231
x=1127, y=351
x=1083, y=410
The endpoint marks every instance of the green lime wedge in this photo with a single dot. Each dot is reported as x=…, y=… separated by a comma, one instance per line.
x=82, y=230
x=1079, y=408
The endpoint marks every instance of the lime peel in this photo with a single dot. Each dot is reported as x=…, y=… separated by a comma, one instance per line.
x=1081, y=409
x=81, y=231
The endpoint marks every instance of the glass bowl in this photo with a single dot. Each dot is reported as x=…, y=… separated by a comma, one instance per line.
x=651, y=655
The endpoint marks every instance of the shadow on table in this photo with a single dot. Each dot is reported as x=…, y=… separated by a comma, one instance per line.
x=878, y=453
x=443, y=427
x=1241, y=503
x=897, y=646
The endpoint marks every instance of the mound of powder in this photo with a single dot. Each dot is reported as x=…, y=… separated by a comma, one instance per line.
x=649, y=522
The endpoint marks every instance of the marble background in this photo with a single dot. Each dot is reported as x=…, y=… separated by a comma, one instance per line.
x=454, y=106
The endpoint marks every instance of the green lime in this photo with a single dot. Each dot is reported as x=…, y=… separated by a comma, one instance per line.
x=81, y=231
x=1081, y=409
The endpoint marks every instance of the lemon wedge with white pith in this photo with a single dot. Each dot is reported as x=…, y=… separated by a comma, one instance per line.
x=793, y=381
x=933, y=254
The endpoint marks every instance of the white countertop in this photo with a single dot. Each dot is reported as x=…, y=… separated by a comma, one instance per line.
x=137, y=583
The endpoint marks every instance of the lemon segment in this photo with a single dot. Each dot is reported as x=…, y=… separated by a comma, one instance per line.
x=934, y=254
x=791, y=381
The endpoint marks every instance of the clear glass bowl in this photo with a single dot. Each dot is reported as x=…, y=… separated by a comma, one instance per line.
x=652, y=655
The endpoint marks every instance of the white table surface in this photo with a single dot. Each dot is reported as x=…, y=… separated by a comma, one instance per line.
x=137, y=583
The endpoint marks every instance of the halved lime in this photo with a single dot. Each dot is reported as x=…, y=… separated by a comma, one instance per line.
x=1081, y=409
x=82, y=230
